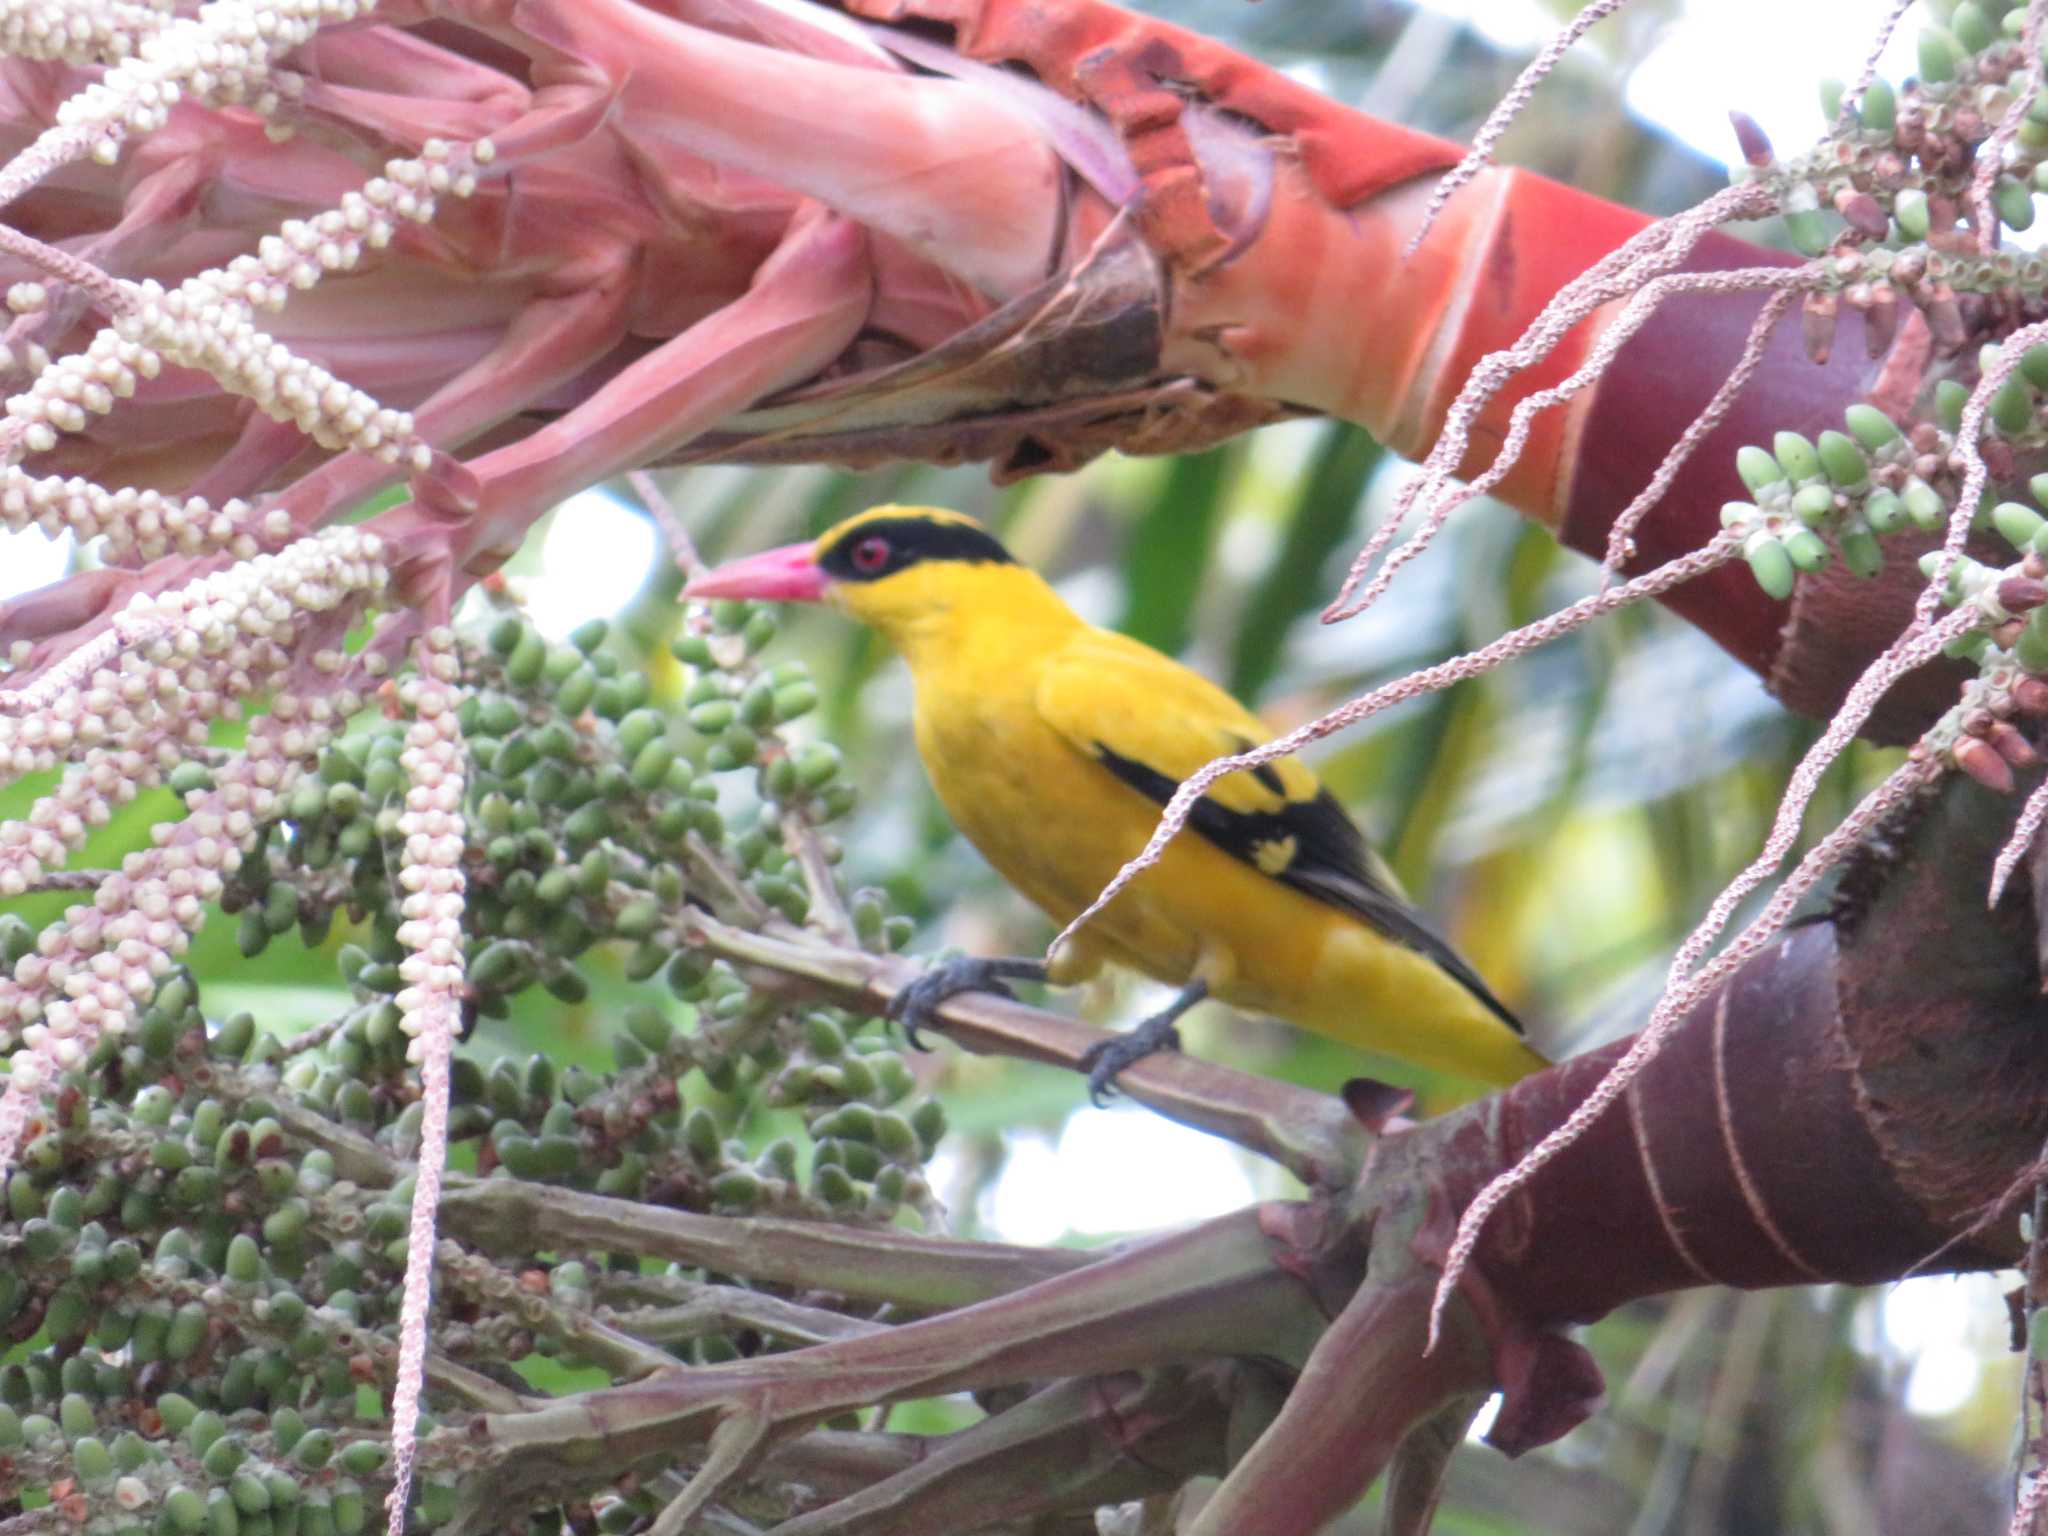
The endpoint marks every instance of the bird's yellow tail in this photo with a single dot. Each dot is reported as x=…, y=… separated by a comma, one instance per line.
x=1387, y=998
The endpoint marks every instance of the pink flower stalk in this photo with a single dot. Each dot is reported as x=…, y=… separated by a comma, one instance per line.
x=269, y=623
x=431, y=1001
x=656, y=235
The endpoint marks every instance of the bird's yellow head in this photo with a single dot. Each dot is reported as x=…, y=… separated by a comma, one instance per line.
x=900, y=569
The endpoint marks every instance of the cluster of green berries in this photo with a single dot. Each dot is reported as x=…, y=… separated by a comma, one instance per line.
x=1885, y=203
x=1854, y=485
x=737, y=709
x=1910, y=151
x=193, y=1307
x=198, y=1312
x=2009, y=648
x=1875, y=480
x=1962, y=85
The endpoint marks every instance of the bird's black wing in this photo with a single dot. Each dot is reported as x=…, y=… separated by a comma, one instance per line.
x=1314, y=846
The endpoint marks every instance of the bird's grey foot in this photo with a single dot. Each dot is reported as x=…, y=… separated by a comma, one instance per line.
x=916, y=1006
x=1105, y=1059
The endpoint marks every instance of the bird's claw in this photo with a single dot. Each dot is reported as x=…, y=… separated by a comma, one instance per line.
x=1103, y=1060
x=916, y=1006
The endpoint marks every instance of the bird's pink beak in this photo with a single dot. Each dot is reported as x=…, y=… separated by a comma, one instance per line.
x=785, y=575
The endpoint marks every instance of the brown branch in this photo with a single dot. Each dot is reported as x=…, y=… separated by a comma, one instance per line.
x=728, y=1308
x=1367, y=1388
x=1072, y=1446
x=1415, y=1477
x=512, y=1216
x=319, y=1034
x=1309, y=1133
x=1234, y=1286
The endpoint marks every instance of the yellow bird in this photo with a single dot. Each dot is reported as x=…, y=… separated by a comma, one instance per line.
x=1053, y=746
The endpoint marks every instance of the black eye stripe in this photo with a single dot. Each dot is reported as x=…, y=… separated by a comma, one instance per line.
x=906, y=541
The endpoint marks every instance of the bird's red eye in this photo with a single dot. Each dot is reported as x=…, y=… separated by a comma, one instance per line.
x=871, y=554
